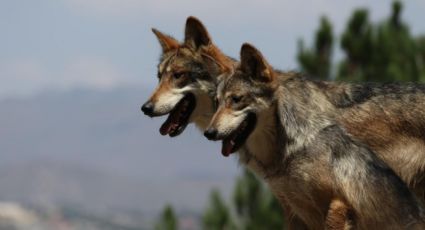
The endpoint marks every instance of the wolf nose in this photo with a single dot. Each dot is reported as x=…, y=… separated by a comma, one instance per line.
x=211, y=134
x=147, y=108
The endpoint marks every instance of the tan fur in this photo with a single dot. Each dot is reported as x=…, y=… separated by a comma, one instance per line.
x=259, y=145
x=161, y=90
x=338, y=217
x=381, y=126
x=167, y=43
x=215, y=54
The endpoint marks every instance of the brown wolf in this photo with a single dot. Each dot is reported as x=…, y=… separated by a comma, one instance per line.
x=188, y=74
x=286, y=129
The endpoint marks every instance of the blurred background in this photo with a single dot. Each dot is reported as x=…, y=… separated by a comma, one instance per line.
x=77, y=153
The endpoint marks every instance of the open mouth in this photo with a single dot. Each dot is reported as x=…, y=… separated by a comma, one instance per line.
x=179, y=117
x=235, y=140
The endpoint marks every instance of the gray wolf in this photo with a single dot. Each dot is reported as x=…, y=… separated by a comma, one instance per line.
x=286, y=129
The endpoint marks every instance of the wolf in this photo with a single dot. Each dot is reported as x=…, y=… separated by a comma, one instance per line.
x=188, y=73
x=284, y=128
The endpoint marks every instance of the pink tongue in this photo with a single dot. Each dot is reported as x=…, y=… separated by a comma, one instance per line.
x=166, y=128
x=226, y=149
x=170, y=124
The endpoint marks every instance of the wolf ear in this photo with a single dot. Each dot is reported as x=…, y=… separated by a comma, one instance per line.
x=167, y=42
x=253, y=62
x=196, y=35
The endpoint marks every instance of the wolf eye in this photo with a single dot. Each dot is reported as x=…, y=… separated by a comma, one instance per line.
x=178, y=75
x=236, y=99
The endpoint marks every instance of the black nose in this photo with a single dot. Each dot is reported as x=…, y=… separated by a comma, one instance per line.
x=147, y=108
x=211, y=134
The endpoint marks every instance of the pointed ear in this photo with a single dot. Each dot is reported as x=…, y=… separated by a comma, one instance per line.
x=167, y=42
x=196, y=35
x=253, y=62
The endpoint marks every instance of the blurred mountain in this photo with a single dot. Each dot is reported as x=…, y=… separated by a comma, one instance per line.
x=94, y=149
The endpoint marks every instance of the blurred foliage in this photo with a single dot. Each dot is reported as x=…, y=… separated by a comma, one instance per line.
x=217, y=215
x=253, y=207
x=380, y=52
x=168, y=220
x=317, y=61
x=256, y=207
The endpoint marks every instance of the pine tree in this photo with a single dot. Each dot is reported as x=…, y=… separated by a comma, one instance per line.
x=168, y=220
x=420, y=57
x=316, y=61
x=255, y=206
x=357, y=44
x=377, y=52
x=382, y=52
x=217, y=215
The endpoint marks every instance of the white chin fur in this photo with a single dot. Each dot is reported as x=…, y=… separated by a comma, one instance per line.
x=167, y=101
x=229, y=122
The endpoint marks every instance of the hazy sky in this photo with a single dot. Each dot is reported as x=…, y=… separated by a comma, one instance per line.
x=63, y=44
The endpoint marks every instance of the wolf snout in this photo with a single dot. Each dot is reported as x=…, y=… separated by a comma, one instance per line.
x=211, y=134
x=147, y=108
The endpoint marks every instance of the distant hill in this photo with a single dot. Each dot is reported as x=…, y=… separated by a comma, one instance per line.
x=95, y=149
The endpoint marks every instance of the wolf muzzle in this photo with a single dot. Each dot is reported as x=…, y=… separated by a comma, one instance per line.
x=147, y=108
x=211, y=134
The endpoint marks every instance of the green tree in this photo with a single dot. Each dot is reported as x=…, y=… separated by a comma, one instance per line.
x=255, y=206
x=316, y=61
x=356, y=42
x=382, y=52
x=420, y=57
x=379, y=52
x=167, y=220
x=217, y=215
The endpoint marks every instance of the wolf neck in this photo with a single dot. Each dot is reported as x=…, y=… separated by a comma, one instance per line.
x=303, y=112
x=299, y=113
x=260, y=152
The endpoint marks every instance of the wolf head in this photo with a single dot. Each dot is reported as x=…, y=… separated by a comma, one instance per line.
x=243, y=98
x=187, y=75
